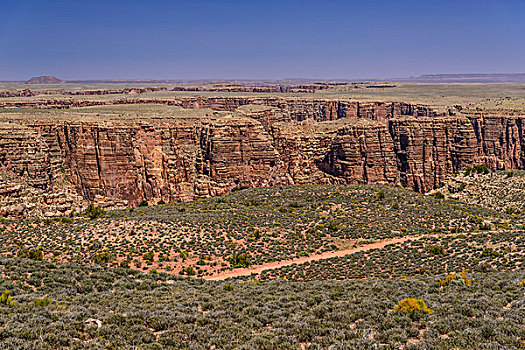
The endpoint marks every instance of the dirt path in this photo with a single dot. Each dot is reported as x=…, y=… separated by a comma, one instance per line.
x=327, y=255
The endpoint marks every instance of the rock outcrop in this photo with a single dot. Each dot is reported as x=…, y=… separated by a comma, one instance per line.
x=229, y=142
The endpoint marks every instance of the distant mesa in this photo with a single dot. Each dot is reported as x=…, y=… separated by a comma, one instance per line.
x=45, y=79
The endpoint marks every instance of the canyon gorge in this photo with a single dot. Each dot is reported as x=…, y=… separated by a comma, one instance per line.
x=129, y=150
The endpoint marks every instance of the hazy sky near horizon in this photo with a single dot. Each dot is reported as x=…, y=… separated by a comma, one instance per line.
x=251, y=39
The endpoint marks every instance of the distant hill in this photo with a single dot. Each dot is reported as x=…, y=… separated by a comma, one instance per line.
x=45, y=79
x=467, y=78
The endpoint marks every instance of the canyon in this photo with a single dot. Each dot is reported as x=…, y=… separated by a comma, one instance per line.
x=70, y=152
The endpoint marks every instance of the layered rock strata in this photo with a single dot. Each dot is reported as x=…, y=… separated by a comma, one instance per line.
x=252, y=142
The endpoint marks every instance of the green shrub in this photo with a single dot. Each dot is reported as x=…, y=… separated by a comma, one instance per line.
x=254, y=203
x=43, y=302
x=190, y=271
x=228, y=287
x=477, y=169
x=436, y=250
x=102, y=258
x=65, y=220
x=489, y=253
x=149, y=256
x=6, y=300
x=31, y=254
x=94, y=212
x=239, y=188
x=240, y=260
x=332, y=226
x=439, y=195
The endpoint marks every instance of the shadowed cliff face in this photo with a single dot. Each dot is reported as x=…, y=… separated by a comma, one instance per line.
x=256, y=142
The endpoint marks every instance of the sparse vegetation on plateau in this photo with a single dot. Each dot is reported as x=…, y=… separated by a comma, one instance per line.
x=250, y=227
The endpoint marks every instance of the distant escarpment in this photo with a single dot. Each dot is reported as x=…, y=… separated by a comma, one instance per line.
x=87, y=154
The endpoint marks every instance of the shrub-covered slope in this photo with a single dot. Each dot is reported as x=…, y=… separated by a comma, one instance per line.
x=66, y=306
x=203, y=237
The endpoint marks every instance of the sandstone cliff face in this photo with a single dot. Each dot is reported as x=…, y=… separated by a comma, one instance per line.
x=294, y=109
x=500, y=139
x=362, y=153
x=238, y=151
x=253, y=142
x=430, y=149
x=315, y=110
x=25, y=154
x=170, y=161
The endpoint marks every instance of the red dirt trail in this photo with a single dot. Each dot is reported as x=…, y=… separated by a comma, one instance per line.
x=277, y=264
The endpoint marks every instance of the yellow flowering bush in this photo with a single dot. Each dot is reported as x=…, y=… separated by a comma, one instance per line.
x=411, y=306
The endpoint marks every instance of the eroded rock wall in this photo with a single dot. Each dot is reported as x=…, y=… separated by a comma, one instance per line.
x=430, y=149
x=285, y=141
x=501, y=140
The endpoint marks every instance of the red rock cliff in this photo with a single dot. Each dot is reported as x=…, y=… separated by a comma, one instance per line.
x=268, y=141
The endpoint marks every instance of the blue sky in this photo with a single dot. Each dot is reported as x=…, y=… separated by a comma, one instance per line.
x=253, y=39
